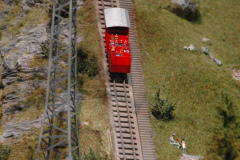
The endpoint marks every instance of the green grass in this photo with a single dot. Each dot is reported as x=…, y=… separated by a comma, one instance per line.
x=94, y=131
x=190, y=78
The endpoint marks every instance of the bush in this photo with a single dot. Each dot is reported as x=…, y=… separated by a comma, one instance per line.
x=162, y=109
x=87, y=63
x=45, y=49
x=4, y=152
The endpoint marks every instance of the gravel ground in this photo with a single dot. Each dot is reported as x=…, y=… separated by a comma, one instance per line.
x=190, y=157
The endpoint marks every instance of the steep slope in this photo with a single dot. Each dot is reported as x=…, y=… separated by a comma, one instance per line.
x=189, y=78
x=25, y=27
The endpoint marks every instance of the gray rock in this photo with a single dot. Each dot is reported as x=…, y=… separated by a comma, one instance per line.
x=205, y=40
x=218, y=61
x=27, y=5
x=8, y=2
x=185, y=8
x=190, y=4
x=215, y=60
x=65, y=32
x=2, y=17
x=205, y=50
x=17, y=56
x=79, y=4
x=190, y=157
x=17, y=129
x=191, y=47
x=185, y=47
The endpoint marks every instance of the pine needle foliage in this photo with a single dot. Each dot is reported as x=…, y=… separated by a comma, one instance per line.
x=161, y=108
x=226, y=132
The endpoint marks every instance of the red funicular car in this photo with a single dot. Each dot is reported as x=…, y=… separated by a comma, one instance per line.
x=117, y=39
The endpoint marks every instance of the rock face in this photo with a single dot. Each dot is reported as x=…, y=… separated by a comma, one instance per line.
x=8, y=2
x=27, y=5
x=17, y=74
x=17, y=130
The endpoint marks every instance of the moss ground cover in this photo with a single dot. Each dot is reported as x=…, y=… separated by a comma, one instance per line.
x=190, y=78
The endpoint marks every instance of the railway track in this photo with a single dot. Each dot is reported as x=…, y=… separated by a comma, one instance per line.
x=130, y=117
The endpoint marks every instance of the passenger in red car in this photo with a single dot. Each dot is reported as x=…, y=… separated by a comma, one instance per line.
x=116, y=43
x=113, y=49
x=121, y=43
x=116, y=38
x=111, y=42
x=125, y=43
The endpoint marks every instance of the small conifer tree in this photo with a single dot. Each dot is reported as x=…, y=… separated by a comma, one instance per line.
x=161, y=108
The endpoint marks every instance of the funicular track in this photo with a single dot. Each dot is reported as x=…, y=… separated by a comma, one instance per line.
x=130, y=117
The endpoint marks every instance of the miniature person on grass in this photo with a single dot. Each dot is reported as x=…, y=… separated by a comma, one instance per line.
x=173, y=142
x=183, y=146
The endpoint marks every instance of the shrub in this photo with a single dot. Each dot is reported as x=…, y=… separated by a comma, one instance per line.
x=4, y=152
x=87, y=63
x=162, y=109
x=45, y=49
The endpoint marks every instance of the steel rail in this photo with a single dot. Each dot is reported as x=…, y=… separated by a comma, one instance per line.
x=130, y=119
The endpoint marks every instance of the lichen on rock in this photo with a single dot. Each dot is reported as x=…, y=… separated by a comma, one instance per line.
x=17, y=75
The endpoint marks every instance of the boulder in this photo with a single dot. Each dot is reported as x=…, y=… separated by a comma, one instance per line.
x=186, y=9
x=206, y=39
x=191, y=47
x=205, y=50
x=215, y=60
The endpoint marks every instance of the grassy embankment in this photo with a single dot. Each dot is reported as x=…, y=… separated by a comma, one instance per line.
x=189, y=78
x=93, y=110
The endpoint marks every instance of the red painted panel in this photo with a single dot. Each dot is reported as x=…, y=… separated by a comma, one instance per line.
x=117, y=46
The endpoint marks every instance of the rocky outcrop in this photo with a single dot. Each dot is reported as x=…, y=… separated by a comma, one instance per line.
x=187, y=9
x=27, y=5
x=17, y=129
x=8, y=2
x=206, y=51
x=17, y=73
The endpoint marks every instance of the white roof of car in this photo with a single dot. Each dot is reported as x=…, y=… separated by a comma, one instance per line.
x=116, y=17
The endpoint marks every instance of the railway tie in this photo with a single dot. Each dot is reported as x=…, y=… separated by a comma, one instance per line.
x=130, y=118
